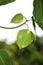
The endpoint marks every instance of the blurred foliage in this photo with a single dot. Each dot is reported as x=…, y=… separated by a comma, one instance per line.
x=3, y=44
x=30, y=55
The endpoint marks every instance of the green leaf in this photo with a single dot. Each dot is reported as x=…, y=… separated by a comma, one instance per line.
x=3, y=2
x=24, y=38
x=4, y=58
x=38, y=12
x=18, y=18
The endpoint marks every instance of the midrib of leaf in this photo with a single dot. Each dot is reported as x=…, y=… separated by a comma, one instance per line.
x=2, y=60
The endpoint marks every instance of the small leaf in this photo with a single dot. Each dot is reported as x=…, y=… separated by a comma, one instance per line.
x=3, y=2
x=24, y=38
x=4, y=58
x=38, y=12
x=18, y=18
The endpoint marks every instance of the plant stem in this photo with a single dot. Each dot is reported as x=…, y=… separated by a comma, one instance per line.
x=11, y=27
x=14, y=27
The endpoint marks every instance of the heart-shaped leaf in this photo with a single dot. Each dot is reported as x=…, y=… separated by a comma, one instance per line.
x=4, y=58
x=18, y=18
x=38, y=12
x=24, y=38
x=3, y=2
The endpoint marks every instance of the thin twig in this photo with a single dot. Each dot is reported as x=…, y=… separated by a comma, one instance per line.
x=14, y=27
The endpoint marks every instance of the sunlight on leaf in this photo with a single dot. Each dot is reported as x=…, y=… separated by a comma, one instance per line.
x=18, y=18
x=24, y=38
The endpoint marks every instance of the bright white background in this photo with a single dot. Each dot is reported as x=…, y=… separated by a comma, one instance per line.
x=8, y=11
